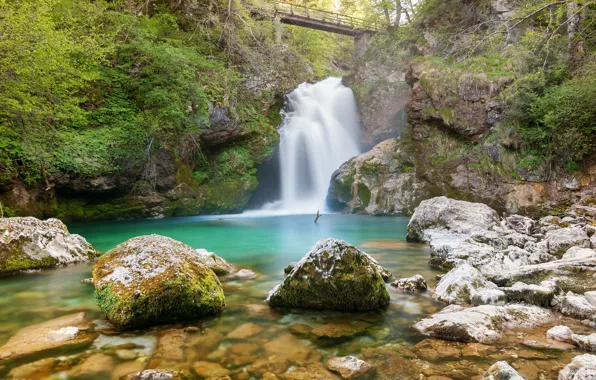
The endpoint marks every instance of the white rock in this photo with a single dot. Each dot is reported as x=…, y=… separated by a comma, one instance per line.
x=539, y=295
x=350, y=367
x=560, y=333
x=42, y=243
x=577, y=306
x=483, y=324
x=579, y=253
x=585, y=342
x=415, y=283
x=591, y=297
x=461, y=284
x=502, y=371
x=579, y=367
x=521, y=224
x=450, y=214
x=559, y=241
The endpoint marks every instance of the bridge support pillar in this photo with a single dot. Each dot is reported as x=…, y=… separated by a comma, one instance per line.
x=277, y=22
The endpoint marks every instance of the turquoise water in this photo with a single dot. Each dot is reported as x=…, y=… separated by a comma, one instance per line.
x=267, y=243
x=264, y=244
x=275, y=341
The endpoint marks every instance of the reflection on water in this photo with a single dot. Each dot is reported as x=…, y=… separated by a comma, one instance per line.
x=249, y=339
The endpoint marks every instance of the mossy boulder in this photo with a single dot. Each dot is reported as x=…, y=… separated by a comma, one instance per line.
x=333, y=275
x=30, y=243
x=155, y=279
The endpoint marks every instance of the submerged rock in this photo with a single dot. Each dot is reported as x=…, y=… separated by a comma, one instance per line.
x=582, y=367
x=153, y=279
x=350, y=367
x=415, y=283
x=159, y=374
x=30, y=243
x=94, y=367
x=450, y=214
x=483, y=324
x=333, y=275
x=220, y=266
x=502, y=371
x=57, y=334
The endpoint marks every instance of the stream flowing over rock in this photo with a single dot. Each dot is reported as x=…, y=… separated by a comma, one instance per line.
x=30, y=243
x=333, y=275
x=154, y=279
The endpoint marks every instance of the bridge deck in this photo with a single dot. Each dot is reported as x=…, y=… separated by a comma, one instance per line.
x=300, y=15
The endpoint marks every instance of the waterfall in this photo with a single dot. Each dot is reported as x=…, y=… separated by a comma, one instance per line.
x=321, y=130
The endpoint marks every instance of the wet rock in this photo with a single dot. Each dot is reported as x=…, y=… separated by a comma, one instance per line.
x=333, y=275
x=95, y=366
x=125, y=354
x=87, y=281
x=533, y=294
x=482, y=324
x=161, y=374
x=339, y=330
x=170, y=349
x=580, y=368
x=29, y=243
x=220, y=266
x=43, y=338
x=559, y=241
x=153, y=279
x=463, y=285
x=437, y=350
x=300, y=329
x=478, y=350
x=350, y=367
x=287, y=346
x=502, y=371
x=311, y=372
x=37, y=370
x=123, y=369
x=270, y=364
x=577, y=306
x=245, y=331
x=452, y=215
x=415, y=283
x=521, y=224
x=585, y=342
x=242, y=274
x=560, y=333
x=209, y=370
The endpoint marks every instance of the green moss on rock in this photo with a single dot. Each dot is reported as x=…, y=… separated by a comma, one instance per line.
x=333, y=275
x=154, y=279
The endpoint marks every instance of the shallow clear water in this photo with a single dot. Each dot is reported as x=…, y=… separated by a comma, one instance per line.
x=265, y=245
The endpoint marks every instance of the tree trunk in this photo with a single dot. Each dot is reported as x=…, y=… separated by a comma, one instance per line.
x=398, y=9
x=575, y=41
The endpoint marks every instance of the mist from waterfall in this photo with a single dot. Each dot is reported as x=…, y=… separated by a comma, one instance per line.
x=321, y=130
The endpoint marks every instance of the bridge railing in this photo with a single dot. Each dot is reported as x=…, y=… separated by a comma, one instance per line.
x=321, y=15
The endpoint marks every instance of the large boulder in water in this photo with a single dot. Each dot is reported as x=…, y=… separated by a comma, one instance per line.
x=30, y=243
x=153, y=279
x=442, y=213
x=333, y=275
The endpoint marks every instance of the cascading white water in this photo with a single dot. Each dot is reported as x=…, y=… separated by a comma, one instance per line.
x=321, y=131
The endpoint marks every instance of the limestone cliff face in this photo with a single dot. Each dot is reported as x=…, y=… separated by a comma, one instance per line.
x=444, y=150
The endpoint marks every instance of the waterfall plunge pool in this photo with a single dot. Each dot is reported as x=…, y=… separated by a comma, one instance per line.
x=250, y=339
